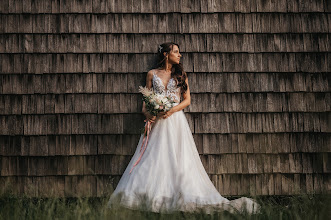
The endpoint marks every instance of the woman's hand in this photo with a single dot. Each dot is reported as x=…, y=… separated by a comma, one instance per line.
x=168, y=113
x=150, y=117
x=160, y=114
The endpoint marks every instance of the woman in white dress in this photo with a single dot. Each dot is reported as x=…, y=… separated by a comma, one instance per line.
x=169, y=176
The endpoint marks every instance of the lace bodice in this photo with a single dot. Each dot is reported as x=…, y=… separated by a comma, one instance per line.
x=171, y=90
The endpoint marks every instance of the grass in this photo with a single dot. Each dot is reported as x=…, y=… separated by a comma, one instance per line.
x=315, y=206
x=301, y=206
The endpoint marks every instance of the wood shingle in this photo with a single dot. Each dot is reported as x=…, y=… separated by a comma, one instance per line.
x=259, y=76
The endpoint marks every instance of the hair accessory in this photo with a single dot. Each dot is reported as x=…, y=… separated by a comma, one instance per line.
x=160, y=48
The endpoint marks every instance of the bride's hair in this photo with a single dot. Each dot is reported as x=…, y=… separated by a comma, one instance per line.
x=177, y=70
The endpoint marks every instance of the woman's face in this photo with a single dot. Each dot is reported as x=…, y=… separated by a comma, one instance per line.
x=174, y=55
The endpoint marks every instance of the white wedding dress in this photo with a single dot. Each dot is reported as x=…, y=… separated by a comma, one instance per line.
x=170, y=176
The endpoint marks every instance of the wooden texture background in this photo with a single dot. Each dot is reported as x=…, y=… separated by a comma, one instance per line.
x=259, y=73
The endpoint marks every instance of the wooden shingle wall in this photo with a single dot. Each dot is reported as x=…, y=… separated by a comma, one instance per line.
x=259, y=73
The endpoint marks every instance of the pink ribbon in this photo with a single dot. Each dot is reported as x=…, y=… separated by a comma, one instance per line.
x=148, y=127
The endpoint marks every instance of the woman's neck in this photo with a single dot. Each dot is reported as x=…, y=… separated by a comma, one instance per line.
x=167, y=67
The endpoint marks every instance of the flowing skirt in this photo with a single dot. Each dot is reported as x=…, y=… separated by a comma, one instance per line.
x=170, y=175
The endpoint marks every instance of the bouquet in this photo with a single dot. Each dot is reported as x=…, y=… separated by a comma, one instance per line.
x=154, y=103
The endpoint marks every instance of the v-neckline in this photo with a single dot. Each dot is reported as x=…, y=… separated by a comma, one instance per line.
x=165, y=87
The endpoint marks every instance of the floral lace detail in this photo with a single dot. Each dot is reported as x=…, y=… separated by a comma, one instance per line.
x=172, y=90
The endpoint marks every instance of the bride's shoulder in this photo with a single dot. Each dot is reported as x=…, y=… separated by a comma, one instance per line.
x=151, y=72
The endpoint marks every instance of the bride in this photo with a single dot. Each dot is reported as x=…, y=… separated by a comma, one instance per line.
x=169, y=176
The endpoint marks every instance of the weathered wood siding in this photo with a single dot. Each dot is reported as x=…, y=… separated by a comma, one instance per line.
x=259, y=73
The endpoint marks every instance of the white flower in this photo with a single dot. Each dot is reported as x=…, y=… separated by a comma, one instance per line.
x=145, y=91
x=156, y=107
x=158, y=98
x=169, y=105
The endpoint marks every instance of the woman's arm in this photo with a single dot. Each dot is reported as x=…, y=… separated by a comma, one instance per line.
x=149, y=79
x=186, y=102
